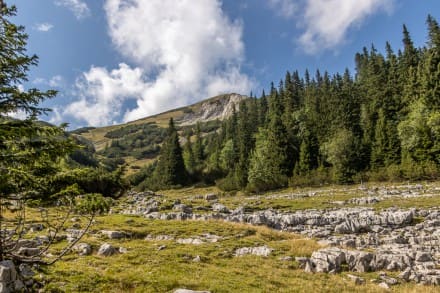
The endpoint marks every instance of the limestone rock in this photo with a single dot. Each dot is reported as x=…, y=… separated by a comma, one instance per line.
x=384, y=285
x=193, y=241
x=182, y=208
x=113, y=234
x=27, y=251
x=359, y=261
x=8, y=277
x=210, y=196
x=328, y=259
x=357, y=280
x=107, y=249
x=259, y=250
x=83, y=249
x=189, y=291
x=219, y=208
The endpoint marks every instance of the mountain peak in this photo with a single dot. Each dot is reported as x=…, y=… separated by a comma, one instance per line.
x=219, y=107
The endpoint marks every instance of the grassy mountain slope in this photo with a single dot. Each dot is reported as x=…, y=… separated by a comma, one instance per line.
x=137, y=143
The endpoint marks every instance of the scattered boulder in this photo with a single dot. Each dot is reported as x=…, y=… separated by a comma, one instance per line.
x=328, y=260
x=26, y=271
x=219, y=208
x=36, y=227
x=27, y=251
x=113, y=234
x=260, y=251
x=384, y=285
x=107, y=249
x=193, y=241
x=9, y=281
x=83, y=249
x=388, y=280
x=359, y=261
x=158, y=237
x=180, y=207
x=197, y=259
x=356, y=280
x=210, y=196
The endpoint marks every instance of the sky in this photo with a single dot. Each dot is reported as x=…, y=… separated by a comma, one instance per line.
x=115, y=61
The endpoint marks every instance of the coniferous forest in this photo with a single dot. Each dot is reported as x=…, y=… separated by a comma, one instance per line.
x=381, y=122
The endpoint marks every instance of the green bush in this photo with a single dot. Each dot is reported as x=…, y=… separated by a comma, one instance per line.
x=316, y=177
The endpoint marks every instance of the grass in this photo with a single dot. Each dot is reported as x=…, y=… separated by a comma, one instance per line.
x=145, y=268
x=296, y=199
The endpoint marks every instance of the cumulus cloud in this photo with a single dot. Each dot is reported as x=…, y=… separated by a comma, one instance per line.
x=325, y=23
x=182, y=51
x=328, y=21
x=78, y=7
x=43, y=27
x=102, y=92
x=285, y=8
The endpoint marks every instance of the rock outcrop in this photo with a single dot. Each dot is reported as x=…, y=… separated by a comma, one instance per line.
x=220, y=108
x=358, y=239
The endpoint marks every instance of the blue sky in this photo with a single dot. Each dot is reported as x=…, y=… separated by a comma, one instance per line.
x=119, y=60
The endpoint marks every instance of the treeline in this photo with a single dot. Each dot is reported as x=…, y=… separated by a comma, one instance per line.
x=383, y=123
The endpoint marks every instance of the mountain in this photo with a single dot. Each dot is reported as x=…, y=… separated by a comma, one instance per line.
x=138, y=142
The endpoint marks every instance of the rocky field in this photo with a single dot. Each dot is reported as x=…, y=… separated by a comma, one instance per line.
x=341, y=238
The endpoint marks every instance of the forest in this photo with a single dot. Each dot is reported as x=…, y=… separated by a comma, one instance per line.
x=380, y=123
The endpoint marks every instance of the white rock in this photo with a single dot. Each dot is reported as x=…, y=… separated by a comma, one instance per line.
x=193, y=241
x=83, y=248
x=113, y=234
x=189, y=291
x=107, y=249
x=260, y=251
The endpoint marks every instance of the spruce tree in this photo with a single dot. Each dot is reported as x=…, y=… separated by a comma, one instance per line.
x=190, y=161
x=170, y=170
x=32, y=155
x=199, y=153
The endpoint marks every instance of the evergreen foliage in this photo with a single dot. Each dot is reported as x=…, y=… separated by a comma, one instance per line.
x=34, y=162
x=170, y=170
x=382, y=122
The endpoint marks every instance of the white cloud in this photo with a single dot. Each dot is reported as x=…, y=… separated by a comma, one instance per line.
x=21, y=115
x=328, y=21
x=101, y=94
x=325, y=23
x=43, y=27
x=183, y=51
x=78, y=7
x=54, y=81
x=284, y=8
x=56, y=116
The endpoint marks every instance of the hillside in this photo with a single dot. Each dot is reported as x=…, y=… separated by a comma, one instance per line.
x=138, y=142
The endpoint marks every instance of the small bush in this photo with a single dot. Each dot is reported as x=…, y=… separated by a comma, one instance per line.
x=317, y=177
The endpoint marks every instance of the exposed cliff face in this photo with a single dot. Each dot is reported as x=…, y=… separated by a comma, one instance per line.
x=220, y=108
